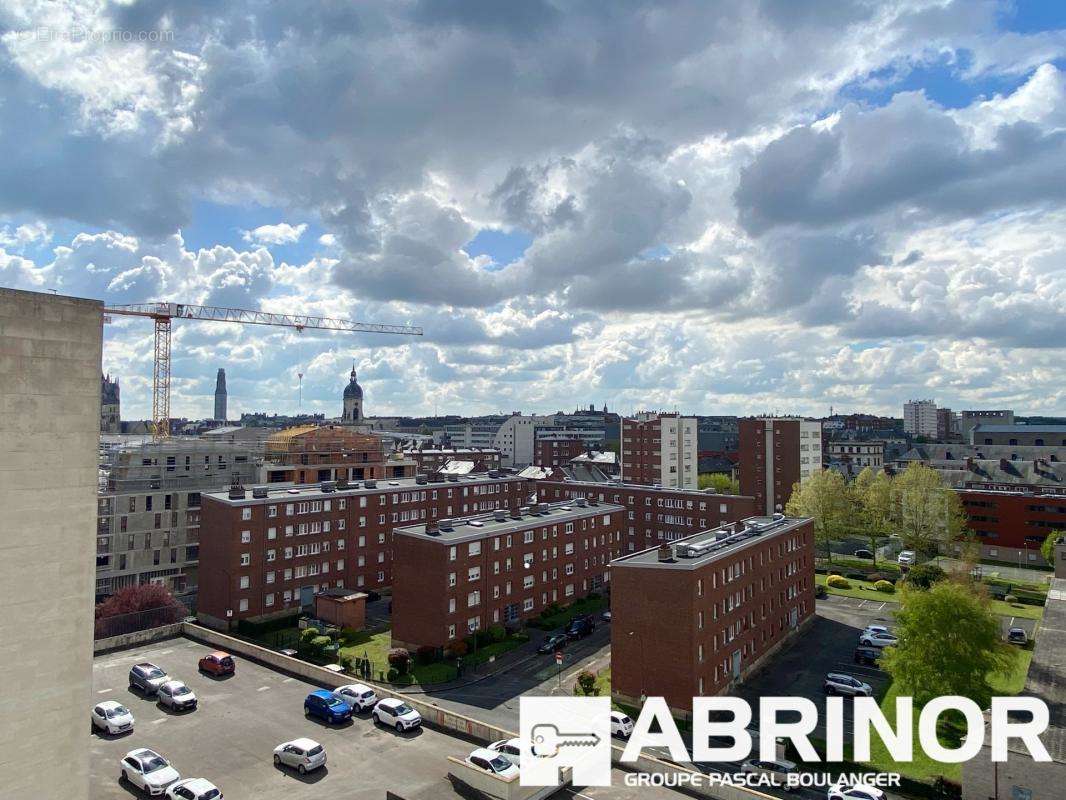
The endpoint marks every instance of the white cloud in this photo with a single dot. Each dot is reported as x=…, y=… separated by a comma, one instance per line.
x=282, y=233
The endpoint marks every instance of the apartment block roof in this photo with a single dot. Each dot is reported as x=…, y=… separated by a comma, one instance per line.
x=495, y=523
x=706, y=547
x=702, y=494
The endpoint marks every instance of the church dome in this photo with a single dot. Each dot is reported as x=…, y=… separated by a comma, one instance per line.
x=353, y=389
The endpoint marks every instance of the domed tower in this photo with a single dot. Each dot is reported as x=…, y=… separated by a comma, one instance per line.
x=353, y=400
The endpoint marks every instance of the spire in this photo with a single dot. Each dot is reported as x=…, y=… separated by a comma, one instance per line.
x=353, y=369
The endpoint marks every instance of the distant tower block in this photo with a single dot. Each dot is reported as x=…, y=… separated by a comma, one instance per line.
x=220, y=395
x=353, y=400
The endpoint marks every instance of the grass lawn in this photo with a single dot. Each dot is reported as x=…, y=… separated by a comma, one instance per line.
x=1016, y=610
x=861, y=589
x=586, y=605
x=922, y=767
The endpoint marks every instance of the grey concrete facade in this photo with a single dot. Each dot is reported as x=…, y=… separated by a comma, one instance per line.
x=50, y=348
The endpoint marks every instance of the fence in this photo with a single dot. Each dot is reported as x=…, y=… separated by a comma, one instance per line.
x=125, y=624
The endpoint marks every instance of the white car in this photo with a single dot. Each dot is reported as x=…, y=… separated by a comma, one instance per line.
x=303, y=754
x=877, y=639
x=194, y=789
x=176, y=695
x=906, y=557
x=148, y=771
x=491, y=761
x=858, y=791
x=511, y=748
x=112, y=717
x=621, y=725
x=839, y=683
x=357, y=695
x=396, y=713
x=876, y=629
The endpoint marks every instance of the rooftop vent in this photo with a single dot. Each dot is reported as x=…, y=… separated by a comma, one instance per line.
x=446, y=525
x=453, y=478
x=778, y=517
x=328, y=486
x=738, y=526
x=475, y=523
x=593, y=501
x=500, y=516
x=494, y=473
x=524, y=511
x=236, y=492
x=432, y=529
x=582, y=502
x=666, y=553
x=342, y=483
x=259, y=492
x=370, y=484
x=516, y=513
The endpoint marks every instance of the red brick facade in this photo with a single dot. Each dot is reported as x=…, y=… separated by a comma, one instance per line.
x=556, y=452
x=1020, y=520
x=654, y=515
x=693, y=627
x=266, y=556
x=504, y=570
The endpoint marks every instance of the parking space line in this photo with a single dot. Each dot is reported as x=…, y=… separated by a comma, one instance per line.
x=262, y=688
x=103, y=691
x=158, y=721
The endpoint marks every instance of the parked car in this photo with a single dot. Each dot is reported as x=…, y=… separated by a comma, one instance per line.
x=552, y=643
x=1017, y=636
x=580, y=627
x=858, y=791
x=194, y=789
x=606, y=615
x=876, y=629
x=325, y=705
x=839, y=683
x=148, y=771
x=302, y=754
x=491, y=761
x=906, y=558
x=864, y=554
x=867, y=655
x=510, y=748
x=357, y=695
x=621, y=725
x=777, y=771
x=217, y=663
x=147, y=677
x=396, y=713
x=877, y=639
x=112, y=717
x=176, y=695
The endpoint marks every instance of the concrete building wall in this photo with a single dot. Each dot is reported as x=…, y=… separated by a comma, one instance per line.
x=775, y=455
x=50, y=349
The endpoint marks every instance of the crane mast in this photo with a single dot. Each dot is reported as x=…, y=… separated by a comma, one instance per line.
x=163, y=315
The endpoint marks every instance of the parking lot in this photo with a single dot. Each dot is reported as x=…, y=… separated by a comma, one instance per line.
x=230, y=738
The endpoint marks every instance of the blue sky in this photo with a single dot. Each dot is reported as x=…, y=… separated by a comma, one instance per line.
x=680, y=216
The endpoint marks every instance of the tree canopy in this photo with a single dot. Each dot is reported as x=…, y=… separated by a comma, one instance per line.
x=826, y=498
x=720, y=482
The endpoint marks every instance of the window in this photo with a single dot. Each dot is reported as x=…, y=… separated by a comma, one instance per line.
x=243, y=606
x=245, y=582
x=272, y=533
x=473, y=599
x=474, y=549
x=474, y=573
x=528, y=581
x=246, y=559
x=270, y=577
x=272, y=511
x=527, y=604
x=271, y=555
x=451, y=631
x=246, y=513
x=246, y=537
x=268, y=600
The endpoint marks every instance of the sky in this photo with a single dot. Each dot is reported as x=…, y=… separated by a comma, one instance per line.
x=718, y=208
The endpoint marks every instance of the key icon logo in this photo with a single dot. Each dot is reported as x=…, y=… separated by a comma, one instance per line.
x=565, y=738
x=547, y=739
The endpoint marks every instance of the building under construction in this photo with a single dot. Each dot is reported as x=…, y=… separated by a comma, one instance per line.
x=311, y=454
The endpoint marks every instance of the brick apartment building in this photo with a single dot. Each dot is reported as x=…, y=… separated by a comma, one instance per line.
x=313, y=453
x=654, y=515
x=695, y=617
x=1012, y=522
x=266, y=552
x=775, y=454
x=660, y=450
x=557, y=449
x=456, y=577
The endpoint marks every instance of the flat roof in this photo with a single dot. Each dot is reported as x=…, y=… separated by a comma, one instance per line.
x=483, y=525
x=711, y=545
x=703, y=493
x=285, y=492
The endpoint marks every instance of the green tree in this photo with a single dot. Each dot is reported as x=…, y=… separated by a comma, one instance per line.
x=926, y=514
x=949, y=643
x=720, y=482
x=923, y=576
x=586, y=684
x=826, y=499
x=1047, y=549
x=873, y=495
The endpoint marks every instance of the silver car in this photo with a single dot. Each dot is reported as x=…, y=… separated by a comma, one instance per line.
x=176, y=695
x=303, y=754
x=147, y=677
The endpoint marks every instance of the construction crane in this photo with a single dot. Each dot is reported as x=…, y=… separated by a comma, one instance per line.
x=164, y=313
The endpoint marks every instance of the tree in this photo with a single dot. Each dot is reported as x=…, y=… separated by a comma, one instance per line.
x=949, y=643
x=923, y=576
x=873, y=493
x=586, y=684
x=926, y=514
x=140, y=598
x=826, y=499
x=720, y=482
x=1047, y=549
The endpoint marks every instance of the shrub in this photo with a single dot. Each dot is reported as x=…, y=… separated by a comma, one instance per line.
x=837, y=582
x=1010, y=598
x=307, y=634
x=456, y=649
x=877, y=577
x=923, y=576
x=885, y=586
x=819, y=591
x=497, y=633
x=586, y=684
x=399, y=659
x=426, y=654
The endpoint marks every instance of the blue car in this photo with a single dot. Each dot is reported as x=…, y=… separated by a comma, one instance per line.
x=327, y=706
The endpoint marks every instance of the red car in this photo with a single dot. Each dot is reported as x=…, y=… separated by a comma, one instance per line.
x=218, y=663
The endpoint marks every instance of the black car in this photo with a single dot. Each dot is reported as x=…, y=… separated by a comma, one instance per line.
x=553, y=643
x=580, y=627
x=1017, y=636
x=867, y=655
x=864, y=554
